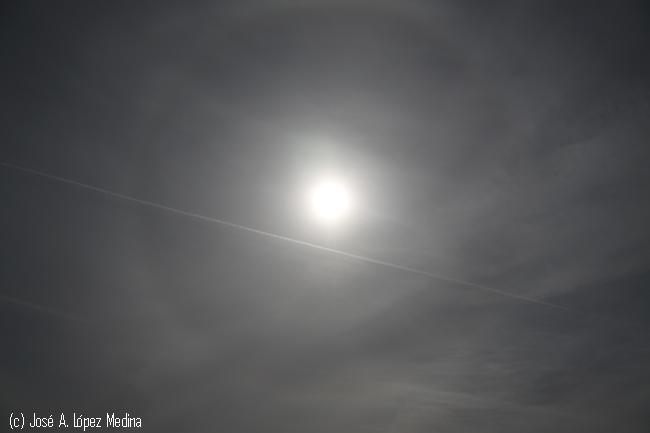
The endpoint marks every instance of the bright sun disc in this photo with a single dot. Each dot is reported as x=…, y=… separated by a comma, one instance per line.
x=330, y=200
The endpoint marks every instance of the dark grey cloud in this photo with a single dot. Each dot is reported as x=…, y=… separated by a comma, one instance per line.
x=499, y=143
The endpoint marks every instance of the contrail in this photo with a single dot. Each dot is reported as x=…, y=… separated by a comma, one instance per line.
x=47, y=310
x=309, y=245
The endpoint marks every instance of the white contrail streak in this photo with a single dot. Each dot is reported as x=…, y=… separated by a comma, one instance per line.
x=46, y=310
x=318, y=247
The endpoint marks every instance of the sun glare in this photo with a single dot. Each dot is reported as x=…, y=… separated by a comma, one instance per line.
x=330, y=200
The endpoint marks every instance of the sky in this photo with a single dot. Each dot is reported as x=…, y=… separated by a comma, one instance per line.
x=497, y=154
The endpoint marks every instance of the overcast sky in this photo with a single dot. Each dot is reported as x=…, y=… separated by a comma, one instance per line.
x=500, y=143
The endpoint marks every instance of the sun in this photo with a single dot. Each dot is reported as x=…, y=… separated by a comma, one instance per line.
x=330, y=200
